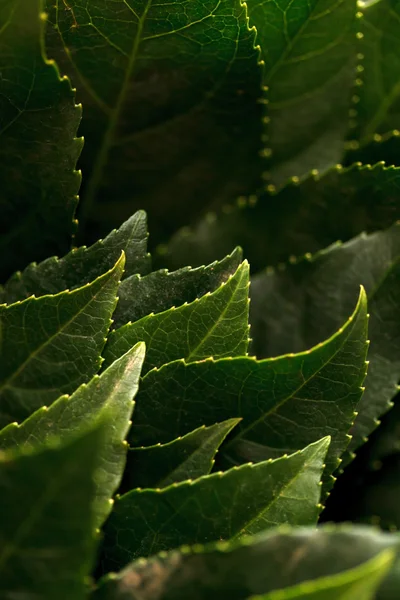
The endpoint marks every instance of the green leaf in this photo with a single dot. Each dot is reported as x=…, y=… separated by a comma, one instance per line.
x=38, y=147
x=50, y=345
x=378, y=98
x=242, y=501
x=178, y=104
x=256, y=565
x=361, y=583
x=111, y=393
x=161, y=290
x=285, y=403
x=83, y=265
x=187, y=457
x=291, y=309
x=46, y=524
x=214, y=325
x=308, y=47
x=298, y=219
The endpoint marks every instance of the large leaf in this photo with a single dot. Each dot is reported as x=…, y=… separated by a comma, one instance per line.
x=83, y=265
x=187, y=457
x=308, y=47
x=242, y=501
x=50, y=345
x=299, y=219
x=38, y=147
x=46, y=523
x=293, y=308
x=378, y=98
x=175, y=122
x=110, y=394
x=285, y=403
x=160, y=290
x=254, y=566
x=214, y=325
x=361, y=583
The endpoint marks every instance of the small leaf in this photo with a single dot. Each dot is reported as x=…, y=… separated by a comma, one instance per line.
x=291, y=309
x=300, y=218
x=83, y=265
x=38, y=147
x=110, y=394
x=227, y=505
x=308, y=48
x=258, y=565
x=50, y=345
x=361, y=583
x=285, y=403
x=178, y=104
x=46, y=524
x=187, y=457
x=378, y=105
x=161, y=290
x=214, y=325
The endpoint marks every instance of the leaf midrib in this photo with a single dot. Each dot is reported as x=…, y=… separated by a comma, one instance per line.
x=276, y=407
x=5, y=384
x=102, y=156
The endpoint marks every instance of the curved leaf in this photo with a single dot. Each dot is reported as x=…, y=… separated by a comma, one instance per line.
x=214, y=325
x=227, y=505
x=38, y=147
x=50, y=345
x=187, y=457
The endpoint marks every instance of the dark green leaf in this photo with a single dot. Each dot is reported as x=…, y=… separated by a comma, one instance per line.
x=242, y=501
x=360, y=583
x=300, y=218
x=110, y=394
x=38, y=147
x=83, y=265
x=160, y=290
x=285, y=403
x=46, y=523
x=308, y=47
x=187, y=457
x=253, y=566
x=293, y=308
x=175, y=122
x=214, y=325
x=50, y=345
x=377, y=109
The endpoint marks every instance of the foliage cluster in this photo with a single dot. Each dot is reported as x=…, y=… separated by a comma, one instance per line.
x=161, y=436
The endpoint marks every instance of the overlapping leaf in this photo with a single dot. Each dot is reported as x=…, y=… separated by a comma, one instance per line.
x=308, y=47
x=82, y=265
x=50, y=345
x=214, y=325
x=285, y=403
x=188, y=457
x=46, y=530
x=38, y=147
x=161, y=290
x=110, y=395
x=258, y=566
x=299, y=219
x=377, y=110
x=293, y=308
x=244, y=500
x=178, y=104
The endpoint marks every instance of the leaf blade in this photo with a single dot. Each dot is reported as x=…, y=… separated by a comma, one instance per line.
x=188, y=457
x=62, y=353
x=38, y=130
x=213, y=325
x=197, y=510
